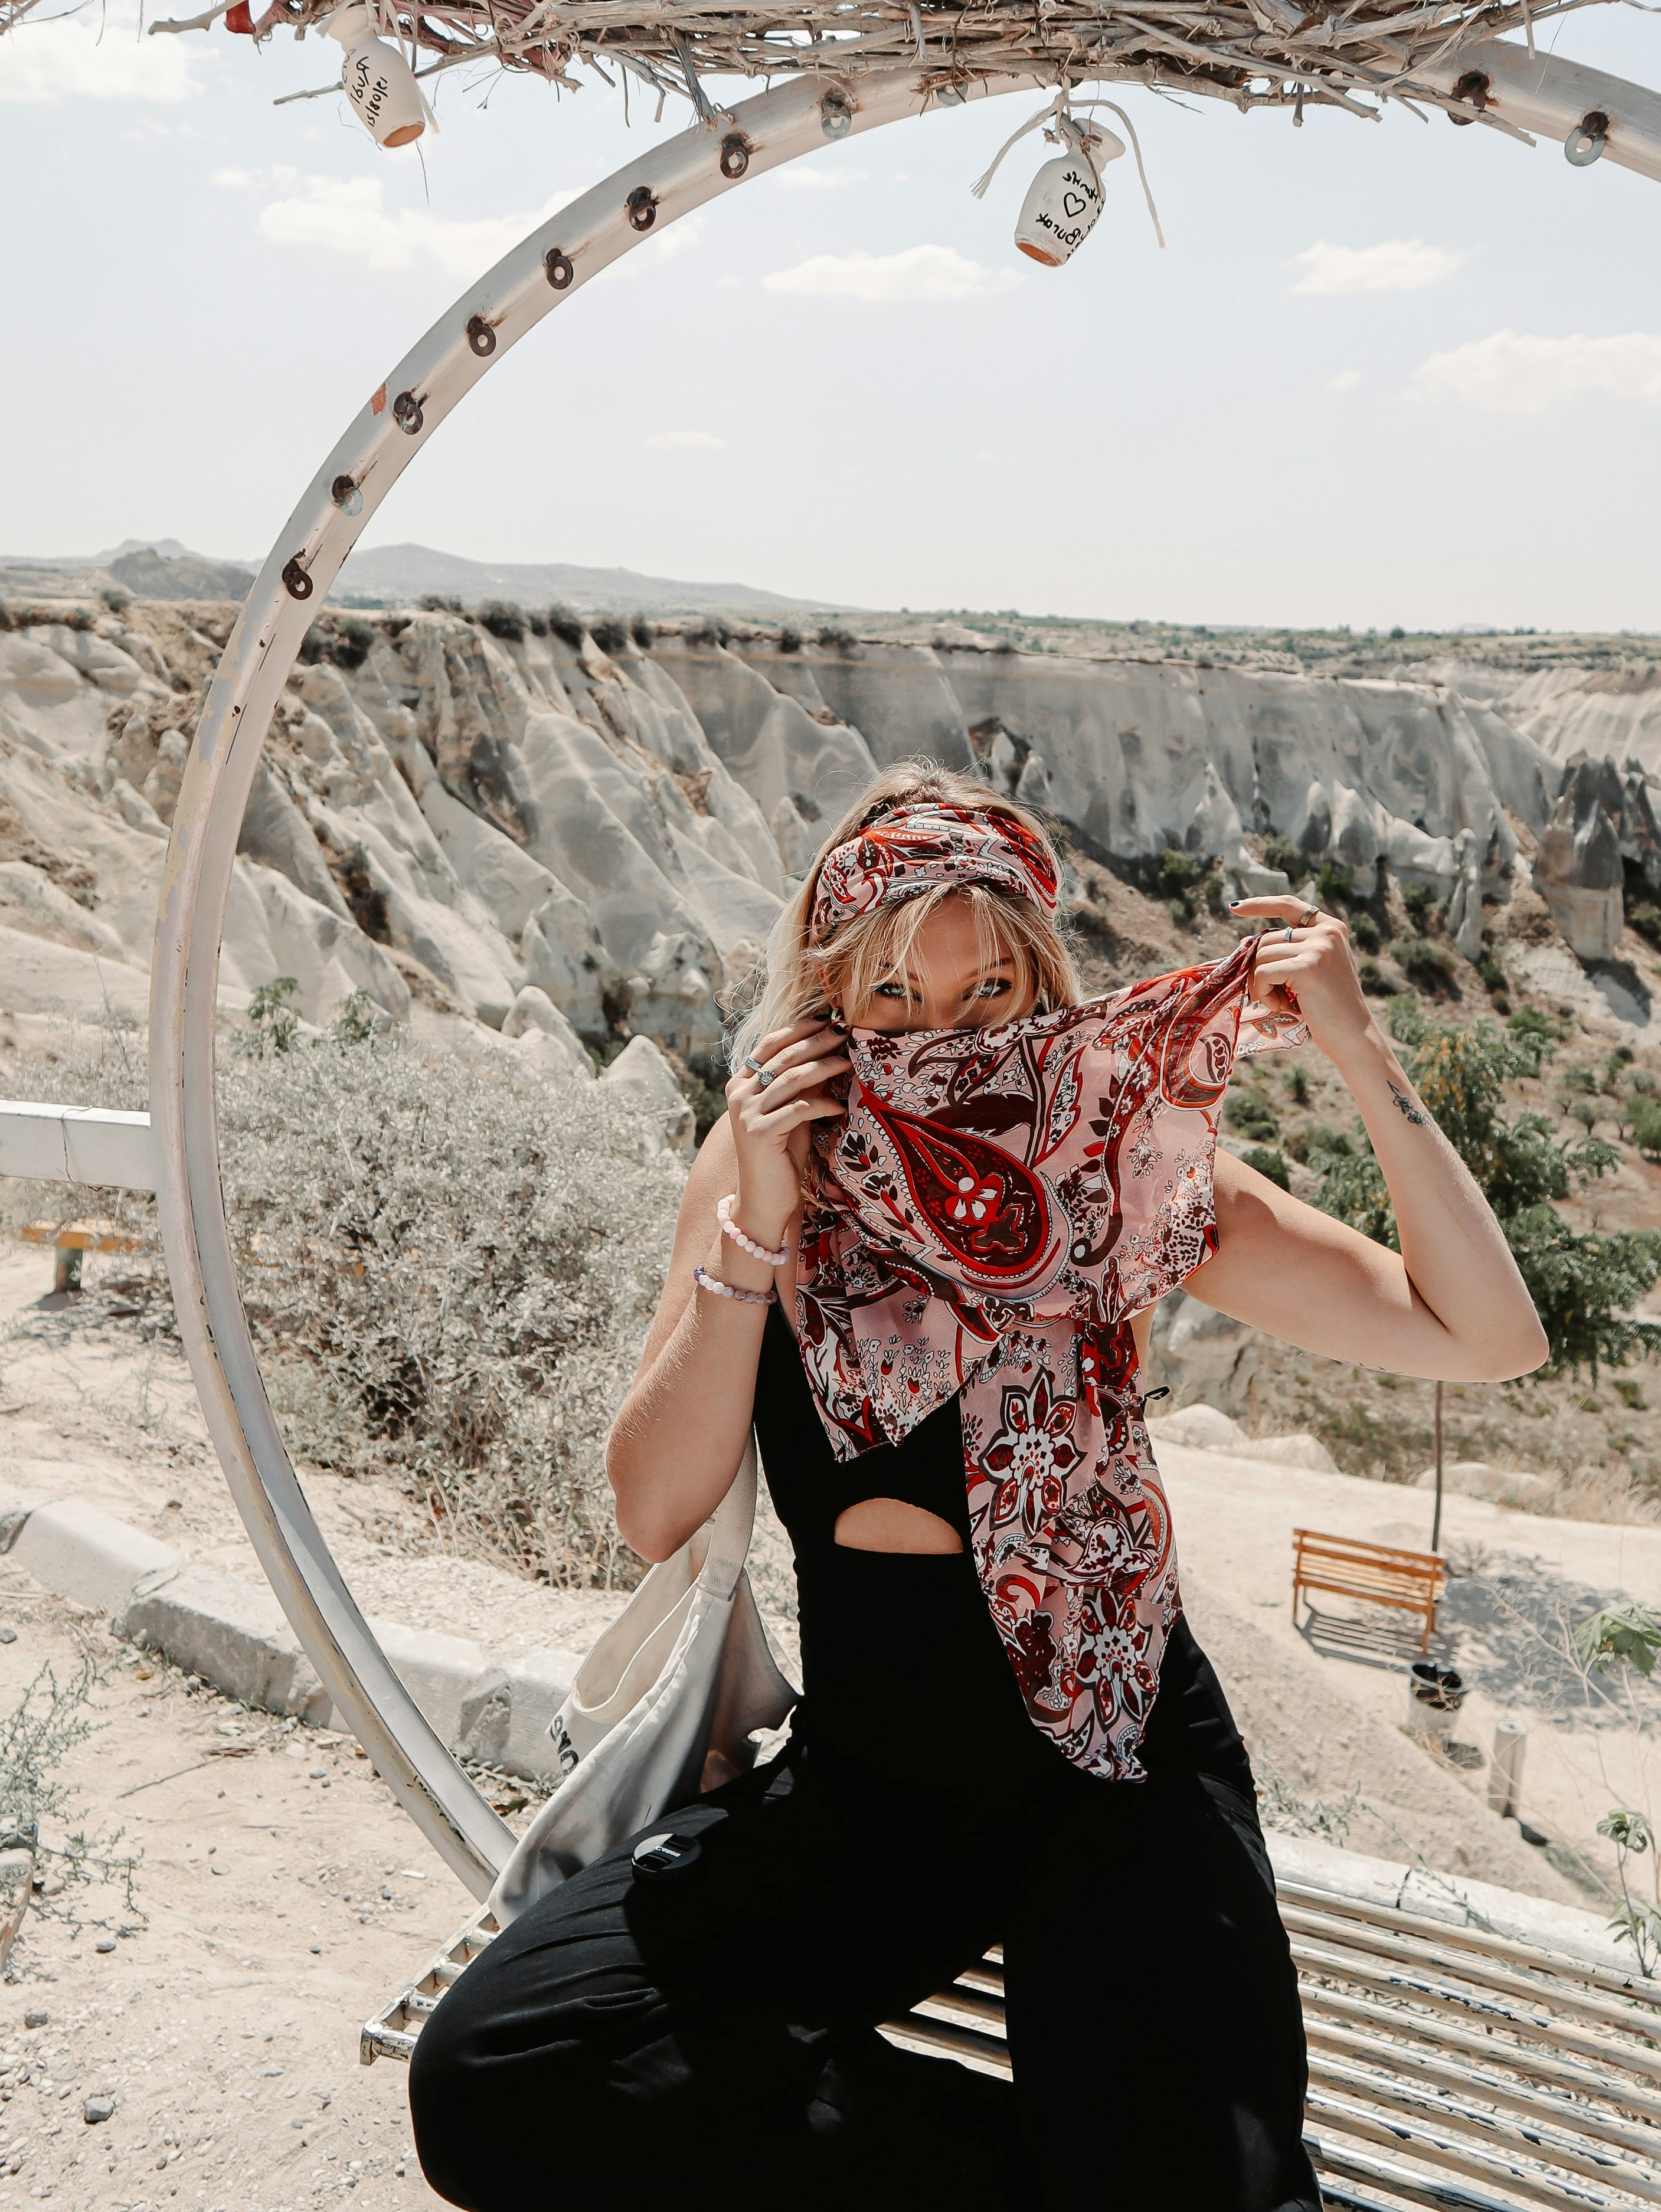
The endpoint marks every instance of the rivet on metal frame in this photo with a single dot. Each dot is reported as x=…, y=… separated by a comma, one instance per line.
x=643, y=208
x=558, y=269
x=1473, y=88
x=836, y=115
x=480, y=335
x=1586, y=142
x=346, y=496
x=406, y=412
x=735, y=155
x=296, y=581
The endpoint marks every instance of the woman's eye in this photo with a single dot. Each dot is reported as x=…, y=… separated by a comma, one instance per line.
x=994, y=987
x=891, y=991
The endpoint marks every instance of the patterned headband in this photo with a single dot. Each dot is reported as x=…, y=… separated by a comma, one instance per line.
x=902, y=854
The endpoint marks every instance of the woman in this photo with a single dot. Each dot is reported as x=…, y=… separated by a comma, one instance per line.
x=929, y=1294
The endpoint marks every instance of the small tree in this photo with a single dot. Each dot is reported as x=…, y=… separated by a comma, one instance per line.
x=1583, y=1286
x=1628, y=1636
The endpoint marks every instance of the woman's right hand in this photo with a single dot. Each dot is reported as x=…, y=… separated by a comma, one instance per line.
x=771, y=1122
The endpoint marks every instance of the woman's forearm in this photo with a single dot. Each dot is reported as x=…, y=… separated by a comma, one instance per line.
x=1453, y=1248
x=682, y=1428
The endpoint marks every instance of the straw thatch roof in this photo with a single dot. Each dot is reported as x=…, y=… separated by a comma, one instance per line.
x=1253, y=53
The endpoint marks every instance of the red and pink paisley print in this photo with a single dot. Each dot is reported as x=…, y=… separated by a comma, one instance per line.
x=996, y=1205
x=912, y=848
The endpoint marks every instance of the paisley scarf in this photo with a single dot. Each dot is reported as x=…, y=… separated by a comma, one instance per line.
x=996, y=1205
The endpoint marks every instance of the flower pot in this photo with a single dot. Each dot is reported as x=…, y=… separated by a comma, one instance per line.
x=1435, y=1693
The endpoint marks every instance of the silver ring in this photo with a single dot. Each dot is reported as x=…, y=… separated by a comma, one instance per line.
x=763, y=1075
x=1289, y=933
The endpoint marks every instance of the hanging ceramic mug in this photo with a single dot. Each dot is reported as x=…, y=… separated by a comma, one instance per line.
x=1063, y=201
x=378, y=81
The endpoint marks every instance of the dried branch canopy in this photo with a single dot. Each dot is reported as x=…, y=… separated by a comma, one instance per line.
x=1252, y=53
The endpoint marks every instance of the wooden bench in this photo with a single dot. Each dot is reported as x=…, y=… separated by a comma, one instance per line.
x=1410, y=1582
x=68, y=1240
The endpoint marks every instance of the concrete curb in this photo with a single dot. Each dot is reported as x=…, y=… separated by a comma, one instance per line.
x=492, y=1707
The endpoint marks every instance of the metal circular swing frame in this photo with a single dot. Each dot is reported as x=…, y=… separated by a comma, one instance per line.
x=545, y=270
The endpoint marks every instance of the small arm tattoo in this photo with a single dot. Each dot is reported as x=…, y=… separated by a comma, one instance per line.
x=1406, y=1108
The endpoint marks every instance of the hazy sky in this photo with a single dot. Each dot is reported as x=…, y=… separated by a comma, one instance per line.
x=1384, y=373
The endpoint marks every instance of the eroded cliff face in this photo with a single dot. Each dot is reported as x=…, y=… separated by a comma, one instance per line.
x=458, y=815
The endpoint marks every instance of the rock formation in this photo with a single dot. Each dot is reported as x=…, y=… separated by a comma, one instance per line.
x=565, y=842
x=1578, y=870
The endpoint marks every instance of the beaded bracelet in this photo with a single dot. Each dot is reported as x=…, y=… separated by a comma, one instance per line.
x=708, y=1282
x=730, y=1228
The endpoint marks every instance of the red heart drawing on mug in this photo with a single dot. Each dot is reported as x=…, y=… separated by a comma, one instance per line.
x=1075, y=204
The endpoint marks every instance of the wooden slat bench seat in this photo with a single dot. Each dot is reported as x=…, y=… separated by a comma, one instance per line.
x=1449, y=2068
x=1381, y=1574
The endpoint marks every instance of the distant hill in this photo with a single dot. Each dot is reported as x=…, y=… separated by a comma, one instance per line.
x=385, y=576
x=148, y=574
x=396, y=573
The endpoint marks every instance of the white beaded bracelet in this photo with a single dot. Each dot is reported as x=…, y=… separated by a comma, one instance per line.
x=708, y=1282
x=730, y=1228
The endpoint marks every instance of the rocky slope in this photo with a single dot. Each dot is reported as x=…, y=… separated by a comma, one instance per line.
x=453, y=809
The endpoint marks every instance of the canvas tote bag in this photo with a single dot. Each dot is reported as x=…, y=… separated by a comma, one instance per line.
x=683, y=1676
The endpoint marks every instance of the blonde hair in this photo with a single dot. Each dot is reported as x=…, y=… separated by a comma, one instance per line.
x=795, y=979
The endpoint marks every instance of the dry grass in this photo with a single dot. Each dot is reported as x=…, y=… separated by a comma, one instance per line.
x=448, y=1270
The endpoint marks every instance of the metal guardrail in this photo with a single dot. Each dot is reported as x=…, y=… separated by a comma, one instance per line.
x=1449, y=2068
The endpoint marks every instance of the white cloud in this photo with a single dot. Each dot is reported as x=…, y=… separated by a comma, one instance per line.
x=797, y=178
x=348, y=215
x=678, y=441
x=1345, y=381
x=1399, y=265
x=1512, y=374
x=42, y=65
x=919, y=272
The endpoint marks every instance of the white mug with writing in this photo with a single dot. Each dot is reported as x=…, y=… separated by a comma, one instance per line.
x=1064, y=199
x=377, y=80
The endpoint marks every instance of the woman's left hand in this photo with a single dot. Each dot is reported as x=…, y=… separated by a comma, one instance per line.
x=1305, y=966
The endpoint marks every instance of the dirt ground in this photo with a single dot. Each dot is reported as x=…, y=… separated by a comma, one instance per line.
x=283, y=1898
x=1518, y=1584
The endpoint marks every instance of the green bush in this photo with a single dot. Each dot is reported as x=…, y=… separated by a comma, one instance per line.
x=609, y=633
x=1374, y=981
x=439, y=603
x=1250, y=1114
x=1643, y=1119
x=1334, y=883
x=1427, y=964
x=1529, y=1021
x=1320, y=1140
x=1269, y=1164
x=567, y=626
x=346, y=640
x=1645, y=916
x=1422, y=910
x=503, y=618
x=1281, y=853
x=643, y=634
x=1365, y=932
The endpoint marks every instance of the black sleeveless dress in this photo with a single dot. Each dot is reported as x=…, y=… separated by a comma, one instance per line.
x=865, y=1616
x=635, y=2041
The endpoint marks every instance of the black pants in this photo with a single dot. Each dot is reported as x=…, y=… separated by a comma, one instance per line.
x=715, y=2031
